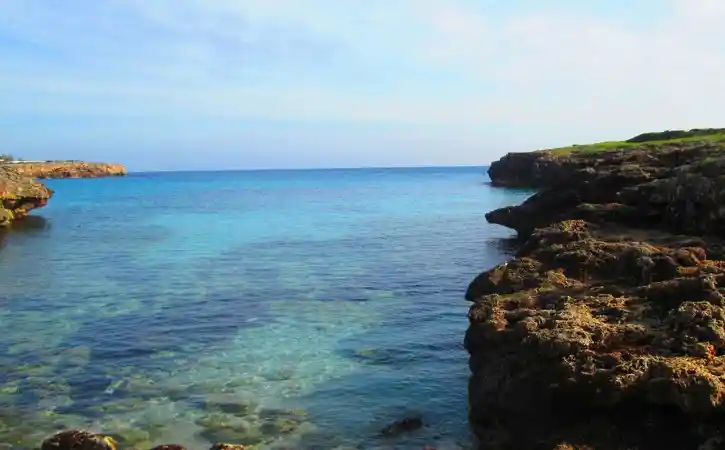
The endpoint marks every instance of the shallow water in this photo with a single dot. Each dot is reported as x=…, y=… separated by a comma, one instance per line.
x=305, y=309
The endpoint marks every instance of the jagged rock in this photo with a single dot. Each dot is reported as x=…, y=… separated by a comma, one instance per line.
x=78, y=440
x=19, y=195
x=607, y=330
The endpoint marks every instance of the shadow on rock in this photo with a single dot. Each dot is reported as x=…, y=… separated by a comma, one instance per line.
x=504, y=246
x=31, y=224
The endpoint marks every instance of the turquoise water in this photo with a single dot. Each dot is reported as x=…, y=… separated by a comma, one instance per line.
x=286, y=309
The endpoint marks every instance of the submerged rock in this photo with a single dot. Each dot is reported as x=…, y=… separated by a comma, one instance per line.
x=221, y=427
x=607, y=329
x=406, y=425
x=169, y=447
x=78, y=440
x=230, y=404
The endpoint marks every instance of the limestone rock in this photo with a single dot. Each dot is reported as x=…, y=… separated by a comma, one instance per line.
x=19, y=195
x=607, y=330
x=67, y=169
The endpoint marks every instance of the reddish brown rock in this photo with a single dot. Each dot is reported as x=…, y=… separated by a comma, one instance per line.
x=67, y=169
x=19, y=195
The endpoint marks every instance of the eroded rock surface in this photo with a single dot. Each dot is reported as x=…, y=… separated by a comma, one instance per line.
x=78, y=440
x=68, y=169
x=606, y=331
x=18, y=195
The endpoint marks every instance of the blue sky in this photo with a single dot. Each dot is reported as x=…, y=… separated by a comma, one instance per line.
x=184, y=84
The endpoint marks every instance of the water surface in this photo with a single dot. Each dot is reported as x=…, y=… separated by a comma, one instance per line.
x=305, y=309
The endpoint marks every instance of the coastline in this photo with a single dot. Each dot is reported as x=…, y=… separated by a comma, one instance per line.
x=66, y=169
x=20, y=192
x=606, y=328
x=19, y=195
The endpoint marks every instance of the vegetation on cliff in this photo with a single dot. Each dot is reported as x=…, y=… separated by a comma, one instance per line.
x=647, y=141
x=607, y=329
x=669, y=135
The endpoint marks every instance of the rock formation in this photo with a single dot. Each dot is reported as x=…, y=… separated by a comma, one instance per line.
x=18, y=195
x=606, y=331
x=68, y=169
x=86, y=440
x=78, y=440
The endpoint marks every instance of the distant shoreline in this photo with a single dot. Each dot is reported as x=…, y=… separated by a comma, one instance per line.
x=311, y=169
x=65, y=169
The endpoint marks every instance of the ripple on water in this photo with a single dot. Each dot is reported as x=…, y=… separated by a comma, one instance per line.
x=307, y=310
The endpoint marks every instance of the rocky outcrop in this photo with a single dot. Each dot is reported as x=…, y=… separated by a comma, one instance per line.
x=86, y=440
x=18, y=195
x=68, y=169
x=78, y=440
x=607, y=330
x=406, y=425
x=532, y=170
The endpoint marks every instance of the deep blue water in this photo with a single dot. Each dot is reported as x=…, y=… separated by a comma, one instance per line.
x=200, y=306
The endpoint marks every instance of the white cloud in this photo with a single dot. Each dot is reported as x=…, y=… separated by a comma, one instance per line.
x=456, y=62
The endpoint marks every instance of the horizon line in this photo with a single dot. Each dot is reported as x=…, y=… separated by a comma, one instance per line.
x=294, y=169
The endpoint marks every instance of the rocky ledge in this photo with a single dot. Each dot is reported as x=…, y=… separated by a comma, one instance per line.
x=67, y=169
x=606, y=331
x=19, y=194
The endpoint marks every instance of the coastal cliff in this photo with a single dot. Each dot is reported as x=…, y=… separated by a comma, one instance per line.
x=606, y=331
x=19, y=194
x=67, y=169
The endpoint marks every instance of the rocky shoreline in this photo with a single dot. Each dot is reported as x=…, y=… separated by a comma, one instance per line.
x=86, y=440
x=67, y=169
x=278, y=425
x=606, y=330
x=19, y=195
x=20, y=192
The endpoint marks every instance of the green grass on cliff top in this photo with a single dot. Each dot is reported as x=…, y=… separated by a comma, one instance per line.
x=642, y=141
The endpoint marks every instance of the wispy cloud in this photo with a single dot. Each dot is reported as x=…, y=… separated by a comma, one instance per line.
x=558, y=70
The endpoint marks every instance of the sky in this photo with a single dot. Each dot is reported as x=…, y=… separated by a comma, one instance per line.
x=205, y=84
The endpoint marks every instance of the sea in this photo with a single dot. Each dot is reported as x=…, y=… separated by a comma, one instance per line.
x=295, y=309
